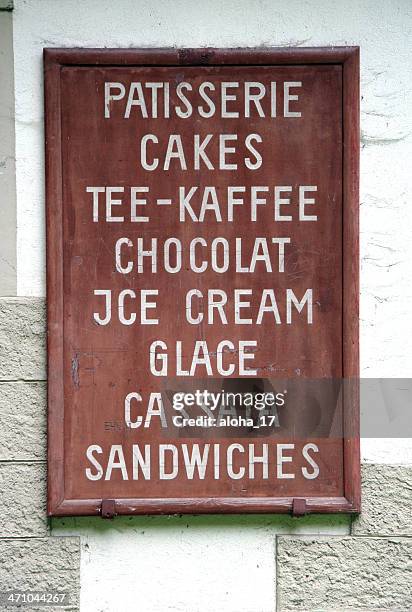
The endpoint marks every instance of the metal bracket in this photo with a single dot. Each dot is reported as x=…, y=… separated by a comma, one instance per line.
x=108, y=509
x=299, y=506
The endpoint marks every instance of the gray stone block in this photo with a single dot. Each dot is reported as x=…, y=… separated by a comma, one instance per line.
x=386, y=501
x=22, y=339
x=23, y=500
x=23, y=421
x=49, y=564
x=333, y=573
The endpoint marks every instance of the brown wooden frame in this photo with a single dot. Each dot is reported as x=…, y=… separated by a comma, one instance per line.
x=54, y=60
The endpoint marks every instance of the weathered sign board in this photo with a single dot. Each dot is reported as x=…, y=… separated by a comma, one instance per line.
x=202, y=269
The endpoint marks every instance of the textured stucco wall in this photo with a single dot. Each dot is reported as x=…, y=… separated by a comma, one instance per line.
x=29, y=557
x=239, y=564
x=8, y=274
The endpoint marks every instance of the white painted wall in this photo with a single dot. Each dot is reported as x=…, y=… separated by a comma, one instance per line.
x=214, y=564
x=184, y=564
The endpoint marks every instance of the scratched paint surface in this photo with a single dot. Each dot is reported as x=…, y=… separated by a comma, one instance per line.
x=105, y=363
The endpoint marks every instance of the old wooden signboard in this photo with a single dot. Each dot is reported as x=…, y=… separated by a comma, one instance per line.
x=202, y=268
